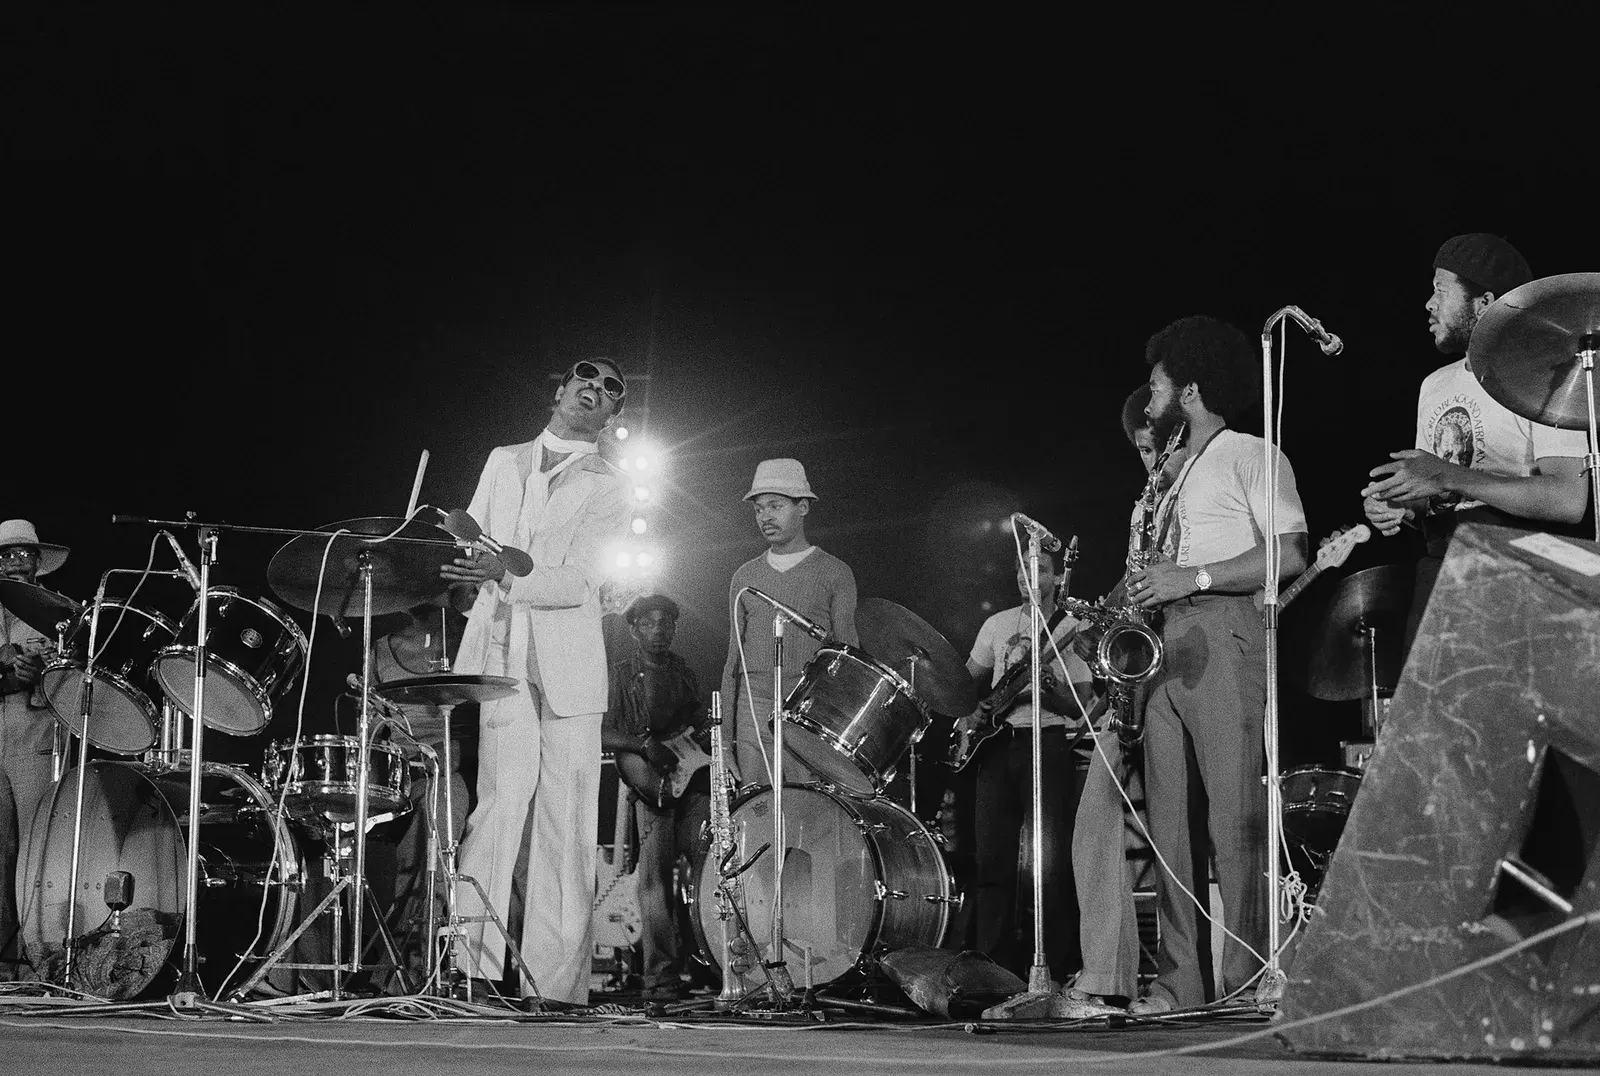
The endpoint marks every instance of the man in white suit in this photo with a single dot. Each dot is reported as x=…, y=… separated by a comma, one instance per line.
x=539, y=757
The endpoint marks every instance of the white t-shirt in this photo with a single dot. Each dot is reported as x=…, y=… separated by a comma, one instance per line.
x=782, y=562
x=1221, y=502
x=1004, y=641
x=1458, y=421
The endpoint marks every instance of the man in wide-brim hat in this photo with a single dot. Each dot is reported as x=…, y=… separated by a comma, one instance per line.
x=26, y=729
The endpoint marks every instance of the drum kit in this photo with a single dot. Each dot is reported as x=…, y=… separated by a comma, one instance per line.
x=202, y=863
x=861, y=874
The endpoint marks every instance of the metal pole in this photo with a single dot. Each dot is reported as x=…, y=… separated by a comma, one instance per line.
x=1039, y=974
x=188, y=990
x=363, y=768
x=1272, y=977
x=782, y=982
x=1588, y=344
x=69, y=943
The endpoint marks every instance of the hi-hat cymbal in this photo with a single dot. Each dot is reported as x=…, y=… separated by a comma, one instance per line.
x=900, y=639
x=405, y=572
x=1524, y=348
x=446, y=689
x=36, y=606
x=1333, y=639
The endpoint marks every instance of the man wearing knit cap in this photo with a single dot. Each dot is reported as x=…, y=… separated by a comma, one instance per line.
x=1474, y=459
x=26, y=729
x=810, y=581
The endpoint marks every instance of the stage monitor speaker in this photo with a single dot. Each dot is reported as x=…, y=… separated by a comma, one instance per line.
x=1476, y=827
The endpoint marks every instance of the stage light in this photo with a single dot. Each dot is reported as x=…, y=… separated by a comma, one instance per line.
x=620, y=433
x=646, y=559
x=639, y=525
x=641, y=493
x=642, y=462
x=986, y=606
x=625, y=463
x=624, y=560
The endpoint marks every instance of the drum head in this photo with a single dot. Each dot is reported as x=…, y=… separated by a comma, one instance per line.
x=130, y=824
x=830, y=905
x=122, y=717
x=232, y=705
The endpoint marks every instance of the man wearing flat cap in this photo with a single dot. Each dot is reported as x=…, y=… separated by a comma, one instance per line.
x=1474, y=459
x=26, y=729
x=812, y=582
x=655, y=696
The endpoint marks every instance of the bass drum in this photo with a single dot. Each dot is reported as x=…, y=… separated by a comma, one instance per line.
x=135, y=820
x=862, y=877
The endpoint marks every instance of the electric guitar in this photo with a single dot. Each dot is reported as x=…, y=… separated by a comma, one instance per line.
x=964, y=743
x=651, y=785
x=1331, y=555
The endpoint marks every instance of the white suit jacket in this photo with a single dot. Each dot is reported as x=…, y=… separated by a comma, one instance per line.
x=554, y=635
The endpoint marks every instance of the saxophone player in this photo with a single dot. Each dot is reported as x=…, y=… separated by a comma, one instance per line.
x=1206, y=703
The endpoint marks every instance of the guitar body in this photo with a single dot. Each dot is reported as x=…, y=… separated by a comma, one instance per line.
x=655, y=788
x=964, y=745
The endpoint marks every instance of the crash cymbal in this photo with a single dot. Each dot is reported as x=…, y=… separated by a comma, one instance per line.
x=1331, y=640
x=900, y=639
x=446, y=689
x=35, y=606
x=405, y=572
x=1524, y=348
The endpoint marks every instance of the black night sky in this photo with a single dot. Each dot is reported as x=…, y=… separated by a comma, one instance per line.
x=262, y=257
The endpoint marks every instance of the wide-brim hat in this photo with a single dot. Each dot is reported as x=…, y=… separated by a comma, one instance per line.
x=21, y=532
x=787, y=477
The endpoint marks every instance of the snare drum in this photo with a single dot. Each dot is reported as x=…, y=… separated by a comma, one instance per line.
x=253, y=656
x=126, y=703
x=136, y=821
x=322, y=778
x=861, y=877
x=851, y=719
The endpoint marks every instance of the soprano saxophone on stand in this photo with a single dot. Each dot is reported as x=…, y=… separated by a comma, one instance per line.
x=722, y=846
x=1127, y=649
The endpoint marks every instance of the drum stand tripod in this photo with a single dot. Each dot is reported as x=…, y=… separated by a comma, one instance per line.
x=356, y=880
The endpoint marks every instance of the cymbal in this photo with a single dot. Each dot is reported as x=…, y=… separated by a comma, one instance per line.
x=1524, y=348
x=446, y=689
x=900, y=639
x=36, y=606
x=404, y=573
x=1336, y=666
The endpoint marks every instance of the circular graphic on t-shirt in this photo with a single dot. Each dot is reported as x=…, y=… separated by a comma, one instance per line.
x=1455, y=441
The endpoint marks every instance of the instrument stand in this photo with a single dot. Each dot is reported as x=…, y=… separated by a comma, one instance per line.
x=189, y=993
x=780, y=986
x=1588, y=346
x=1040, y=1000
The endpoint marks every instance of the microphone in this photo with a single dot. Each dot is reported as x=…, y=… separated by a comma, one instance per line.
x=1047, y=541
x=184, y=562
x=807, y=625
x=462, y=526
x=1331, y=345
x=388, y=709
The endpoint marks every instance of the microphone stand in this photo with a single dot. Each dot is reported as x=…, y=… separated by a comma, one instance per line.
x=1588, y=346
x=1039, y=974
x=189, y=993
x=70, y=943
x=781, y=985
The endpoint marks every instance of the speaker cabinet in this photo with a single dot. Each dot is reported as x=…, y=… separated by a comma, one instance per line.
x=1475, y=828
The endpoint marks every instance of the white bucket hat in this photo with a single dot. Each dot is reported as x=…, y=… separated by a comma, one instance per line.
x=787, y=477
x=21, y=532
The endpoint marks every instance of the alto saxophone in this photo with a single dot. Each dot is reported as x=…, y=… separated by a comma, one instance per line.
x=1127, y=649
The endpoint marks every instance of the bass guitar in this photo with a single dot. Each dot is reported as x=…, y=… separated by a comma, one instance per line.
x=964, y=743
x=650, y=784
x=1333, y=554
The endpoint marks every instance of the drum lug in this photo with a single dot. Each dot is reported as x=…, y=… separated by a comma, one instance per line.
x=957, y=902
x=804, y=707
x=833, y=666
x=870, y=827
x=885, y=893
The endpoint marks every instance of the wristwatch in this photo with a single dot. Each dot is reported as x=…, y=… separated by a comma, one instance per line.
x=1202, y=580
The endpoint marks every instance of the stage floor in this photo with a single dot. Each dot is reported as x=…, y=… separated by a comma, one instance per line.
x=394, y=1037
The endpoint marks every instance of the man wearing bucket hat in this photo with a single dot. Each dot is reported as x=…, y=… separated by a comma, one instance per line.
x=812, y=582
x=1474, y=459
x=26, y=729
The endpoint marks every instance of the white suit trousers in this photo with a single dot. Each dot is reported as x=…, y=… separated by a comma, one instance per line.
x=539, y=792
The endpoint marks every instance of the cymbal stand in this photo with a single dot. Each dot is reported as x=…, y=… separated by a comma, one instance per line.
x=911, y=768
x=1588, y=346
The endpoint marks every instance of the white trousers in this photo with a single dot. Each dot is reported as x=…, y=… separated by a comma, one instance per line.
x=538, y=797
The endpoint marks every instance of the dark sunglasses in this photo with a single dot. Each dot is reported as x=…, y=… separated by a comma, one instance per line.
x=611, y=386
